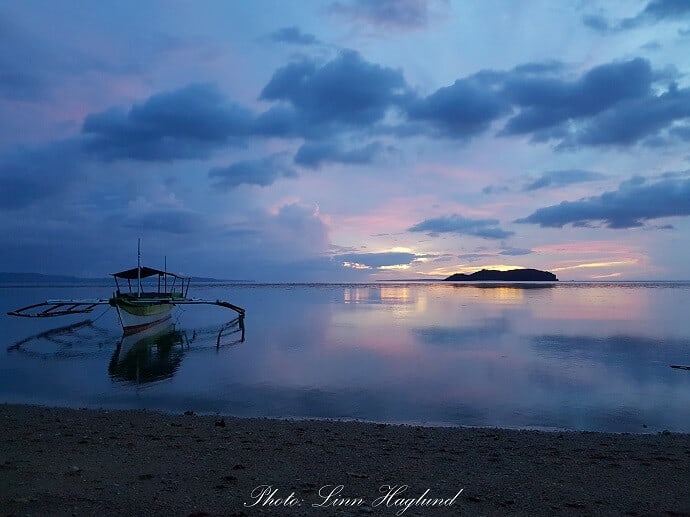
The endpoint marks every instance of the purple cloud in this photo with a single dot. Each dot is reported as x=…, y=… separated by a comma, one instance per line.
x=31, y=175
x=294, y=36
x=485, y=228
x=463, y=110
x=548, y=102
x=185, y=123
x=315, y=154
x=391, y=14
x=655, y=11
x=347, y=90
x=261, y=172
x=562, y=179
x=635, y=201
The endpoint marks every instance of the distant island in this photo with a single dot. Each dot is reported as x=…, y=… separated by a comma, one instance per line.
x=513, y=275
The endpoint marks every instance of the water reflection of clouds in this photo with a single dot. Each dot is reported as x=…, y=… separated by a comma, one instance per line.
x=435, y=353
x=400, y=300
x=457, y=357
x=386, y=294
x=595, y=303
x=502, y=294
x=612, y=379
x=461, y=336
x=642, y=359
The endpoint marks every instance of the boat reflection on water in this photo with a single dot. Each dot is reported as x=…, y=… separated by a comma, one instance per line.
x=151, y=355
x=78, y=340
x=156, y=353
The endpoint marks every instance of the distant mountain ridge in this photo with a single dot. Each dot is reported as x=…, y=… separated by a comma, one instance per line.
x=512, y=275
x=39, y=278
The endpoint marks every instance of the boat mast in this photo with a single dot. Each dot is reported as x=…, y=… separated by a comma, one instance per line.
x=139, y=267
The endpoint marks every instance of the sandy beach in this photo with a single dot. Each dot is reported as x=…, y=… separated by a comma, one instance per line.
x=86, y=462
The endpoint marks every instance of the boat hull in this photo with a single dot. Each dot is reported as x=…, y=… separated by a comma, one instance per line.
x=137, y=316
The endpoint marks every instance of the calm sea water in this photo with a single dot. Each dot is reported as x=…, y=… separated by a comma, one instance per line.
x=564, y=356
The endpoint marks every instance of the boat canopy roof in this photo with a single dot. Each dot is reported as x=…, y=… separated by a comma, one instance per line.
x=132, y=274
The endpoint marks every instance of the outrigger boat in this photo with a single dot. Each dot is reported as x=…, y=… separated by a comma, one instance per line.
x=137, y=309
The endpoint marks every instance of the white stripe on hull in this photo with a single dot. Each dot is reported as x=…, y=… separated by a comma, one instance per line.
x=132, y=324
x=129, y=341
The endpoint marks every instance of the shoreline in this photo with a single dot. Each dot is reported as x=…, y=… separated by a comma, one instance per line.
x=56, y=461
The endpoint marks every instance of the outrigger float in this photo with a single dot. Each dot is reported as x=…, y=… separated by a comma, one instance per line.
x=137, y=309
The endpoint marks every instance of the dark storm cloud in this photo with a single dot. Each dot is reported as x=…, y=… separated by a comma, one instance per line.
x=596, y=22
x=666, y=9
x=347, y=90
x=539, y=68
x=462, y=110
x=548, y=102
x=31, y=67
x=314, y=154
x=35, y=68
x=294, y=36
x=29, y=175
x=635, y=201
x=635, y=120
x=485, y=228
x=562, y=178
x=166, y=220
x=655, y=11
x=16, y=192
x=376, y=260
x=17, y=80
x=612, y=104
x=401, y=14
x=285, y=122
x=261, y=172
x=185, y=123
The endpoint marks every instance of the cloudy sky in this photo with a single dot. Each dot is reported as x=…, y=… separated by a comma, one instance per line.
x=346, y=140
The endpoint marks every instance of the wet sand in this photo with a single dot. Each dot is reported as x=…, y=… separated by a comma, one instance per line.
x=87, y=462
